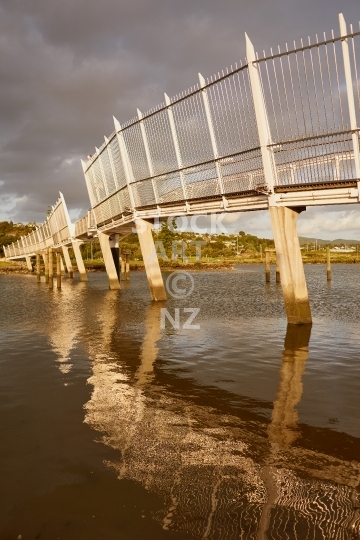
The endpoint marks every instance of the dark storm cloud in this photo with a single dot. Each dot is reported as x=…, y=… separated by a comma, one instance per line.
x=67, y=67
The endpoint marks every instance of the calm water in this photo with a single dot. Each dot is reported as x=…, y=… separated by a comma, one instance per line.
x=113, y=428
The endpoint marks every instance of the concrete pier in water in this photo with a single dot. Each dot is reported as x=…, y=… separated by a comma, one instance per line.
x=111, y=269
x=288, y=253
x=68, y=263
x=151, y=263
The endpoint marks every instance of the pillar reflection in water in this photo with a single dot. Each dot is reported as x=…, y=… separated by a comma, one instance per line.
x=211, y=469
x=149, y=349
x=318, y=503
x=64, y=326
x=282, y=430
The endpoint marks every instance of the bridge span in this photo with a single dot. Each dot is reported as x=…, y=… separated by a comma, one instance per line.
x=278, y=131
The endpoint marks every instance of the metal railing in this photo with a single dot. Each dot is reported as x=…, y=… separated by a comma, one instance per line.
x=287, y=118
x=85, y=226
x=56, y=230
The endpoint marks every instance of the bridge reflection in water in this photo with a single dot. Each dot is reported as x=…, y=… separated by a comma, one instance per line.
x=220, y=477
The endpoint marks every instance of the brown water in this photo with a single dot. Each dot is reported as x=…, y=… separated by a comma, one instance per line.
x=113, y=428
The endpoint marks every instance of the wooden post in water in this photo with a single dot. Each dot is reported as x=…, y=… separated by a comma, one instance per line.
x=58, y=269
x=122, y=260
x=46, y=263
x=38, y=277
x=127, y=266
x=328, y=265
x=51, y=268
x=267, y=265
x=277, y=271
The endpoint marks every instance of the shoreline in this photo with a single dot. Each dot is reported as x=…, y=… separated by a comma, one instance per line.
x=12, y=269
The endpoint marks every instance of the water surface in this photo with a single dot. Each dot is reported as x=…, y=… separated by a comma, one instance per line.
x=244, y=428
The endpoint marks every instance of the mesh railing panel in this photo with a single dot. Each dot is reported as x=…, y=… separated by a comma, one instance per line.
x=124, y=199
x=93, y=192
x=143, y=193
x=307, y=105
x=98, y=179
x=233, y=113
x=192, y=130
x=114, y=151
x=242, y=172
x=108, y=175
x=169, y=187
x=327, y=159
x=160, y=141
x=136, y=151
x=201, y=181
x=81, y=226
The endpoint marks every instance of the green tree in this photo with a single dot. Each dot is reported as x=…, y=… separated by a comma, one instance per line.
x=167, y=236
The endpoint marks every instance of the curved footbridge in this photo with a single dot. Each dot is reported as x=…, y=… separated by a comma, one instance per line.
x=277, y=132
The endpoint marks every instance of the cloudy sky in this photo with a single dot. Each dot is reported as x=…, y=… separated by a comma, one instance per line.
x=67, y=67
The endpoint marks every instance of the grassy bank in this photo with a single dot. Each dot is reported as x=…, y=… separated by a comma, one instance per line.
x=311, y=257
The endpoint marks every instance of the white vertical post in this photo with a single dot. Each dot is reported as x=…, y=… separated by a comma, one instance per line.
x=147, y=152
x=70, y=225
x=261, y=118
x=176, y=144
x=336, y=168
x=125, y=160
x=350, y=98
x=212, y=134
x=92, y=196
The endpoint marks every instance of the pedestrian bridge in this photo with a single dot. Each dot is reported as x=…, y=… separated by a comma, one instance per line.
x=278, y=131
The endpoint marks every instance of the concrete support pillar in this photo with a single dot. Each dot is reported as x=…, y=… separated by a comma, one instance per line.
x=68, y=263
x=267, y=265
x=38, y=276
x=28, y=263
x=277, y=271
x=109, y=262
x=45, y=257
x=62, y=267
x=58, y=269
x=79, y=261
x=151, y=263
x=328, y=265
x=127, y=266
x=51, y=268
x=283, y=221
x=114, y=246
x=123, y=276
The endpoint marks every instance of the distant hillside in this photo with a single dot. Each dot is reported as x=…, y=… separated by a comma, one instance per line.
x=339, y=241
x=11, y=232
